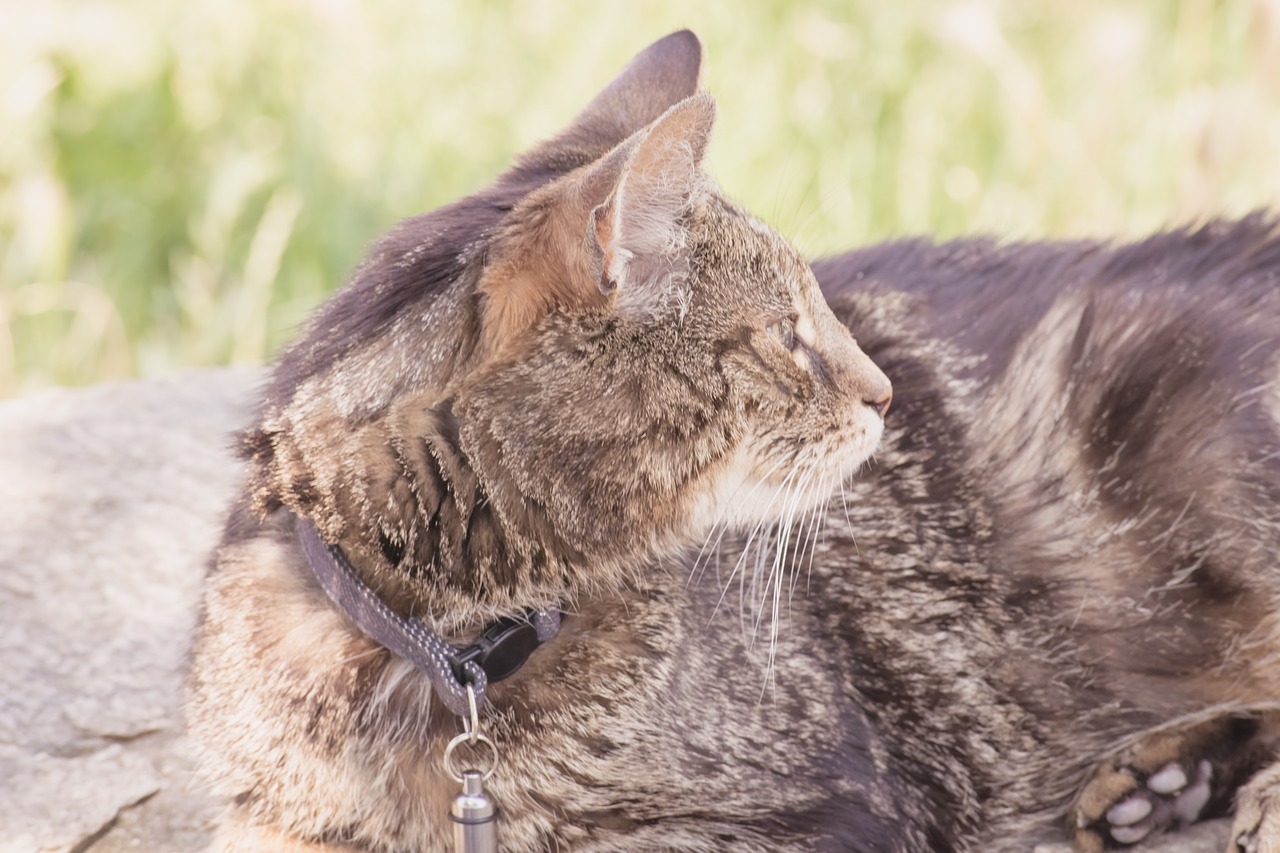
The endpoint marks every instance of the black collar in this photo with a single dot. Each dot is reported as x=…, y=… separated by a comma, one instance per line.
x=501, y=649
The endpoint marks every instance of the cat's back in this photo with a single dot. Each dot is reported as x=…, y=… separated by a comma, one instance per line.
x=1077, y=358
x=1084, y=448
x=983, y=297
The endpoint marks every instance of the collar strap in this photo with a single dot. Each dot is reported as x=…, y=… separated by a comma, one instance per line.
x=501, y=649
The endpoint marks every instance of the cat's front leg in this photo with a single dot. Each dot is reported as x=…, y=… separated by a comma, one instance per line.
x=1141, y=791
x=1172, y=778
x=1257, y=825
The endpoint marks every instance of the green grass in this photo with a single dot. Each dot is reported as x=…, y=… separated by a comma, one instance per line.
x=180, y=183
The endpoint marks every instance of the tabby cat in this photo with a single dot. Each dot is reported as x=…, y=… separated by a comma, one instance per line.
x=1046, y=602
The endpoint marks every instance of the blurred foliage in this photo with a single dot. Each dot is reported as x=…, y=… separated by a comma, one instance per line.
x=181, y=182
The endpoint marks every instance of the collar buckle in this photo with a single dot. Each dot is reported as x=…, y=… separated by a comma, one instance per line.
x=502, y=649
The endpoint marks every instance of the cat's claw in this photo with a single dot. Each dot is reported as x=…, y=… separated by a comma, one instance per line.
x=1124, y=805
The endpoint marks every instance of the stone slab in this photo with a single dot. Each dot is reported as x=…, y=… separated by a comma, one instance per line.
x=111, y=499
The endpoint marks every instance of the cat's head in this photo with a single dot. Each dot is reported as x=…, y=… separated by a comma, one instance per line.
x=600, y=354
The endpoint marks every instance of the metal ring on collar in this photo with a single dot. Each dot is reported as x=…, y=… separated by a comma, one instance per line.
x=470, y=739
x=472, y=725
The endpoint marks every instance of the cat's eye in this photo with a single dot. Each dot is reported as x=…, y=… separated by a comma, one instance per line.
x=784, y=332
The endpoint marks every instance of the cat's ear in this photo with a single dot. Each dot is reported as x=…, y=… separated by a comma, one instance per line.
x=613, y=234
x=660, y=76
x=637, y=236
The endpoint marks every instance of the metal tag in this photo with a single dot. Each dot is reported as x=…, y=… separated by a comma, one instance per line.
x=474, y=816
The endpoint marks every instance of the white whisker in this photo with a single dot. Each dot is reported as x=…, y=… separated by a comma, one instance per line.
x=698, y=565
x=778, y=569
x=844, y=501
x=809, y=544
x=747, y=548
x=819, y=539
x=784, y=536
x=776, y=548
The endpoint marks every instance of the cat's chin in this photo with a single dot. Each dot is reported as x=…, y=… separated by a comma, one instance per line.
x=855, y=448
x=748, y=492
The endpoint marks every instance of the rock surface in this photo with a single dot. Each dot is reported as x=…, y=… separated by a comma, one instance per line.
x=110, y=500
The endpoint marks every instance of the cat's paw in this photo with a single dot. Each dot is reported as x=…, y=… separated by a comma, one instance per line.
x=1157, y=786
x=1257, y=824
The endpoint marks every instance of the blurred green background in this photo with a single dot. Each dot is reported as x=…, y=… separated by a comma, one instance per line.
x=180, y=183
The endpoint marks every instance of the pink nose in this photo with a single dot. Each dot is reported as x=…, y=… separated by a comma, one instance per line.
x=880, y=398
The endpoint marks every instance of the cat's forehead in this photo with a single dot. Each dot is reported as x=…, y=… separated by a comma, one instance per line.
x=779, y=273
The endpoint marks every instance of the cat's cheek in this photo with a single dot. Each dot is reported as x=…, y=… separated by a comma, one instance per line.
x=732, y=492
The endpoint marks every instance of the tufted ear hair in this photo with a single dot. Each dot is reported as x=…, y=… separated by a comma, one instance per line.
x=640, y=229
x=616, y=230
x=661, y=75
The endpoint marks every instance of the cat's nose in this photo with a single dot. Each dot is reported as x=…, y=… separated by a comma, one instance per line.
x=879, y=398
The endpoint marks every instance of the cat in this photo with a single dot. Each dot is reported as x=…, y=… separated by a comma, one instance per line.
x=600, y=388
